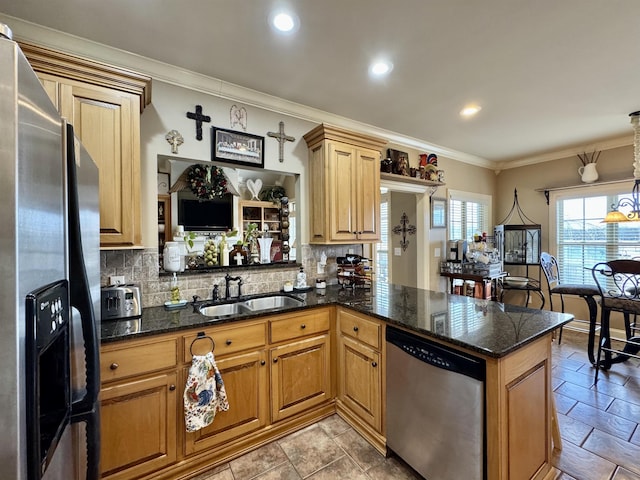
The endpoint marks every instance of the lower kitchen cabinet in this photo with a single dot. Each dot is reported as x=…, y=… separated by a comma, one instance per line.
x=300, y=376
x=360, y=395
x=246, y=383
x=138, y=407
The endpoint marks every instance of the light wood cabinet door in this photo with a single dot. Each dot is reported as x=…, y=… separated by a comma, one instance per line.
x=360, y=380
x=300, y=376
x=528, y=440
x=343, y=197
x=108, y=124
x=367, y=186
x=138, y=419
x=344, y=172
x=247, y=385
x=104, y=103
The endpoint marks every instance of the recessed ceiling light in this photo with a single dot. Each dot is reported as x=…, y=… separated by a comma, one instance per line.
x=470, y=110
x=380, y=68
x=284, y=22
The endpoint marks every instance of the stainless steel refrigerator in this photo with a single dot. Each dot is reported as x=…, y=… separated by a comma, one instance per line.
x=50, y=285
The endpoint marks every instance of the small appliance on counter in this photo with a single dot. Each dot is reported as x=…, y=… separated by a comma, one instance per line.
x=120, y=301
x=456, y=249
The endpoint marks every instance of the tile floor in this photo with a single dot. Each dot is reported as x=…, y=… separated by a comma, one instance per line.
x=599, y=428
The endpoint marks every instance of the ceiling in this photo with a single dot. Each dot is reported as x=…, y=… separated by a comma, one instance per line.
x=550, y=75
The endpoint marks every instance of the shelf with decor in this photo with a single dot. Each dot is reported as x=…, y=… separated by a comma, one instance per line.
x=265, y=214
x=418, y=184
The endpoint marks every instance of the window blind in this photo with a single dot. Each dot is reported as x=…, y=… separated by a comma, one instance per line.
x=579, y=237
x=469, y=213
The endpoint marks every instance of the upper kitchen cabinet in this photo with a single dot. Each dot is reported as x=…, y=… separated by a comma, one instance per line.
x=344, y=186
x=103, y=103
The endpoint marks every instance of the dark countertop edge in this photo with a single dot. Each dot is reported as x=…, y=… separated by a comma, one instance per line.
x=355, y=306
x=233, y=268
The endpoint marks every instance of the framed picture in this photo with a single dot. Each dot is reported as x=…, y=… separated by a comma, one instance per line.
x=237, y=147
x=438, y=213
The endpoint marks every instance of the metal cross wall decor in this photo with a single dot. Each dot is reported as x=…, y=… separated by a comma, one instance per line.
x=199, y=118
x=403, y=229
x=281, y=137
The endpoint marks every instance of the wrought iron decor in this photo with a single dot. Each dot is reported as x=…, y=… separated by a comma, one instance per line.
x=404, y=228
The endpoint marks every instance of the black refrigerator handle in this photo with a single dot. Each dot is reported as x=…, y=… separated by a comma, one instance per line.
x=86, y=409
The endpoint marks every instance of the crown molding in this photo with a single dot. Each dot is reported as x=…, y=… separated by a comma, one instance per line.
x=159, y=71
x=565, y=153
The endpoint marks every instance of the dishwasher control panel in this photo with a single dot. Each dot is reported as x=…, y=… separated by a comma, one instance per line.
x=436, y=354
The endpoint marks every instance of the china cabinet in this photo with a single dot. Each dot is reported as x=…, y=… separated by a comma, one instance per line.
x=344, y=186
x=104, y=104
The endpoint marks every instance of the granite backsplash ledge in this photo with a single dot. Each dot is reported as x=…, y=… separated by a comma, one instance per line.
x=141, y=267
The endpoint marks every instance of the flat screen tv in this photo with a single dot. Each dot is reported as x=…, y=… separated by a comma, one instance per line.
x=205, y=215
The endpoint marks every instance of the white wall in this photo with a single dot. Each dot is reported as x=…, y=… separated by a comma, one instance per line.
x=168, y=112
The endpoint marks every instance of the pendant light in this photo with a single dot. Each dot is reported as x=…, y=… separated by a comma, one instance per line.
x=616, y=216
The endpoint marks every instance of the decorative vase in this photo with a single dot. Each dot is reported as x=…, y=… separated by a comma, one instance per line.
x=265, y=249
x=588, y=173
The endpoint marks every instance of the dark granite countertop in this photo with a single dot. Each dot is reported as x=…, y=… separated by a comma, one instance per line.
x=491, y=328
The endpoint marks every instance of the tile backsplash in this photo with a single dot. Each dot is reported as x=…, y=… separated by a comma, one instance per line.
x=141, y=267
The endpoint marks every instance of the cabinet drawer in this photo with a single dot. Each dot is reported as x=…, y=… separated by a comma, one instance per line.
x=227, y=340
x=137, y=359
x=358, y=327
x=289, y=327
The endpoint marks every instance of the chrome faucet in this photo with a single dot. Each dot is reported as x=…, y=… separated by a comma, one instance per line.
x=228, y=279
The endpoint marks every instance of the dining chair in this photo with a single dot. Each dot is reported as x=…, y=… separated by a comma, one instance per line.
x=551, y=270
x=619, y=285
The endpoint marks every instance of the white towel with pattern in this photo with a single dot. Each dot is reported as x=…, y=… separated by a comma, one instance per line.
x=204, y=393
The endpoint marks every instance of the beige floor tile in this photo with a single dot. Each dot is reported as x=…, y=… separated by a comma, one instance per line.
x=221, y=472
x=310, y=450
x=334, y=425
x=359, y=449
x=393, y=469
x=286, y=471
x=572, y=376
x=258, y=461
x=342, y=468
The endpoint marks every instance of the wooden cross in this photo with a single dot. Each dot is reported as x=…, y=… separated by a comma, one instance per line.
x=281, y=137
x=199, y=118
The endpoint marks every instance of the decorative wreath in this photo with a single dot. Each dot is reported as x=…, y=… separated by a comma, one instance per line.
x=207, y=182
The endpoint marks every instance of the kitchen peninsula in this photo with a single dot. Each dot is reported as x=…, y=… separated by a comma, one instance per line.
x=285, y=369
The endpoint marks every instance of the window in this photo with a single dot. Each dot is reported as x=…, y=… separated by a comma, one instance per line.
x=579, y=237
x=469, y=213
x=382, y=248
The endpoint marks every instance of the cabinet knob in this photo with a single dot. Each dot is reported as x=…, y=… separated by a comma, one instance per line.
x=355, y=329
x=303, y=326
x=262, y=362
x=275, y=360
x=114, y=366
x=228, y=342
x=172, y=387
x=374, y=364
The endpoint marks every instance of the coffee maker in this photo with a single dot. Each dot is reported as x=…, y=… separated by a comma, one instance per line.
x=457, y=249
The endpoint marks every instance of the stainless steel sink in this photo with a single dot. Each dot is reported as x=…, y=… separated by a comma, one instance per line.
x=224, y=309
x=252, y=305
x=271, y=302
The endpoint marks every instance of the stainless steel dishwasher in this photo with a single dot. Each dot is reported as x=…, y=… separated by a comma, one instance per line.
x=435, y=407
